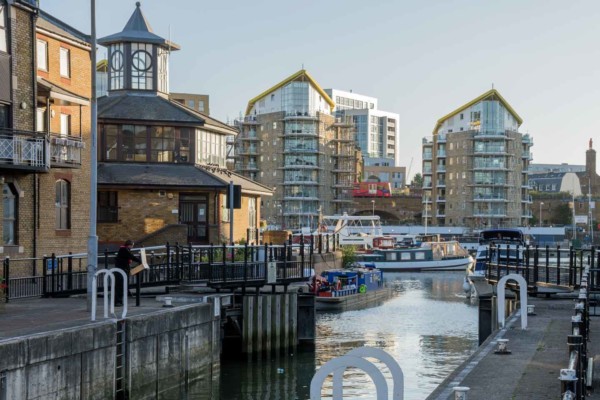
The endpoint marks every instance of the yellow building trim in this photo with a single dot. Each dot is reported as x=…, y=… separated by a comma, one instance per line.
x=302, y=73
x=489, y=93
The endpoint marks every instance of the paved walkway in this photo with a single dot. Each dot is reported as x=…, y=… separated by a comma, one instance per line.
x=37, y=315
x=531, y=371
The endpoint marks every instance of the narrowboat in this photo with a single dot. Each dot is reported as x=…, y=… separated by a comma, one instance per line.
x=350, y=289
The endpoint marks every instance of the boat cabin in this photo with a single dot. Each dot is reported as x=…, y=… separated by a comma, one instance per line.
x=358, y=279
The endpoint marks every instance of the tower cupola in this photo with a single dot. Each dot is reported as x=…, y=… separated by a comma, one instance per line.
x=138, y=59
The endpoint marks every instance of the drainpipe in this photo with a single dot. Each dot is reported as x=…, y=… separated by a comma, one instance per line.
x=34, y=16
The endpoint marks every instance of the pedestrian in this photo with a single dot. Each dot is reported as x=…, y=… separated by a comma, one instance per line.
x=123, y=262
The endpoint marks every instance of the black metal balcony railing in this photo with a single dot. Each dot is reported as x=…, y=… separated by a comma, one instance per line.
x=24, y=150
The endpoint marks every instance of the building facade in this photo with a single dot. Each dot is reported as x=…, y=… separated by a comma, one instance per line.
x=377, y=131
x=44, y=128
x=290, y=141
x=161, y=164
x=475, y=167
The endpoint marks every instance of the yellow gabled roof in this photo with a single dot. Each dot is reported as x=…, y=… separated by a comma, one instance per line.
x=302, y=73
x=484, y=96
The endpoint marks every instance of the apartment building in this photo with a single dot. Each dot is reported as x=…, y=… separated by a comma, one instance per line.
x=44, y=127
x=290, y=141
x=475, y=167
x=377, y=131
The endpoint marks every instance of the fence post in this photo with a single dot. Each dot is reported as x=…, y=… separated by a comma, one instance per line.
x=558, y=264
x=210, y=262
x=54, y=283
x=327, y=236
x=571, y=267
x=547, y=263
x=527, y=264
x=70, y=271
x=178, y=269
x=320, y=243
x=285, y=260
x=190, y=262
x=245, y=267
x=224, y=262
x=6, y=274
x=302, y=258
x=168, y=261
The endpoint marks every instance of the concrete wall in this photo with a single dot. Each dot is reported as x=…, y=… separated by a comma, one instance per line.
x=172, y=353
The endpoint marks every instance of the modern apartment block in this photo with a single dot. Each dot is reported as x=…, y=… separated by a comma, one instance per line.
x=475, y=167
x=290, y=141
x=377, y=131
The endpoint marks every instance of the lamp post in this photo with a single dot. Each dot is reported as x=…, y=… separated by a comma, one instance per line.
x=373, y=206
x=541, y=204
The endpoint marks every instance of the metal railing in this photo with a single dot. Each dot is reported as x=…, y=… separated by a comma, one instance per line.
x=578, y=375
x=545, y=266
x=24, y=149
x=216, y=266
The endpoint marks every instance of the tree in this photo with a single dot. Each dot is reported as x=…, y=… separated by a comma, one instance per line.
x=561, y=215
x=417, y=180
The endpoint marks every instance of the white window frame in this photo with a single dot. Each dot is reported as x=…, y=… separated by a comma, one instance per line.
x=65, y=62
x=42, y=54
x=65, y=125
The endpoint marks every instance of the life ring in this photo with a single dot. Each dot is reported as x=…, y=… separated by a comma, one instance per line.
x=338, y=285
x=362, y=288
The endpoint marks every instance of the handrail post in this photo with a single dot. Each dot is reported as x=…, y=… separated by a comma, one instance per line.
x=224, y=259
x=54, y=282
x=6, y=274
x=168, y=271
x=558, y=264
x=285, y=260
x=526, y=258
x=536, y=262
x=302, y=259
x=327, y=243
x=245, y=267
x=70, y=271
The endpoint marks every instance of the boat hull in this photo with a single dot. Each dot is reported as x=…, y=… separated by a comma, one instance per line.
x=453, y=264
x=356, y=301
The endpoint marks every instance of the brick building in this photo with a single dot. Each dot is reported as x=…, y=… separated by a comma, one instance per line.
x=40, y=162
x=161, y=170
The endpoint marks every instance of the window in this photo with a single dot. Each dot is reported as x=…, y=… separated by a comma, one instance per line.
x=40, y=121
x=65, y=62
x=108, y=210
x=3, y=41
x=191, y=104
x=9, y=215
x=252, y=213
x=65, y=125
x=42, y=55
x=3, y=116
x=201, y=105
x=63, y=204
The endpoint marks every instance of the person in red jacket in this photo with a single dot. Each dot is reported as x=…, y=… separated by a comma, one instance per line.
x=123, y=261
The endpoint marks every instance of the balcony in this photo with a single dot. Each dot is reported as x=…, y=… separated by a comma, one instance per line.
x=300, y=180
x=426, y=200
x=441, y=199
x=427, y=155
x=489, y=198
x=246, y=167
x=247, y=151
x=300, y=148
x=249, y=136
x=526, y=199
x=441, y=138
x=24, y=150
x=440, y=184
x=440, y=168
x=301, y=115
x=65, y=151
x=247, y=120
x=441, y=153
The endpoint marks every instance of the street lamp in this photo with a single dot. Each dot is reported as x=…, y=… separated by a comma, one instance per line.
x=373, y=206
x=541, y=204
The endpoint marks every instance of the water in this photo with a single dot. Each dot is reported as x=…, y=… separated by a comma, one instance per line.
x=429, y=327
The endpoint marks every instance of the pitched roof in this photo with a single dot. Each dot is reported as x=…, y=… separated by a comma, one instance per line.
x=145, y=108
x=300, y=75
x=55, y=25
x=138, y=30
x=143, y=175
x=493, y=93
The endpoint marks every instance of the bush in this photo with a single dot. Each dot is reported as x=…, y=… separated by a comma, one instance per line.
x=348, y=256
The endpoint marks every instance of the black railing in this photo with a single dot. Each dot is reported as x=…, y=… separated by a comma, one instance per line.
x=219, y=267
x=575, y=379
x=543, y=266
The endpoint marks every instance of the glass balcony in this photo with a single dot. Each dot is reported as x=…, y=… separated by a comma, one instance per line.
x=441, y=153
x=427, y=155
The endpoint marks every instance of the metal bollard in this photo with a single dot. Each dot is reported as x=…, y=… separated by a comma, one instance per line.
x=461, y=392
x=530, y=309
x=168, y=302
x=567, y=377
x=502, y=347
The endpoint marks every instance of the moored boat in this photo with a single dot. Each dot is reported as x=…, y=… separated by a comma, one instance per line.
x=436, y=255
x=350, y=289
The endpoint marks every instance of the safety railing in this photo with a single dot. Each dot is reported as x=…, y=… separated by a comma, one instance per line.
x=578, y=375
x=217, y=266
x=542, y=266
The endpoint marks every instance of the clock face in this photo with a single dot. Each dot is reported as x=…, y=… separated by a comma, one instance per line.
x=142, y=61
x=116, y=60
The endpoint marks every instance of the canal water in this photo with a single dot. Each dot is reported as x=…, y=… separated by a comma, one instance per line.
x=429, y=326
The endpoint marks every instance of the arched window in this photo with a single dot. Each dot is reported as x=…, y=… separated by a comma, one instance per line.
x=63, y=204
x=9, y=214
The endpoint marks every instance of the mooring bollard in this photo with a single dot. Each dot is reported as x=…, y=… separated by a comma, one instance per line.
x=461, y=392
x=530, y=309
x=168, y=302
x=568, y=377
x=502, y=347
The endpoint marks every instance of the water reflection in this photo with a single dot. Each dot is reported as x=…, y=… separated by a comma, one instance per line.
x=429, y=327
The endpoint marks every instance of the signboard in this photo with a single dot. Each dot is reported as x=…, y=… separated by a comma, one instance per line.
x=581, y=219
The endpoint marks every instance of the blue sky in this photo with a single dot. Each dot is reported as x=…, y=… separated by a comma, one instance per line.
x=422, y=59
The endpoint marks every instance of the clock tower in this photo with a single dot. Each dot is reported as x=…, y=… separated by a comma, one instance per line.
x=138, y=59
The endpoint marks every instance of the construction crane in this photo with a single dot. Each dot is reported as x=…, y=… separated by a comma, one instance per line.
x=408, y=172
